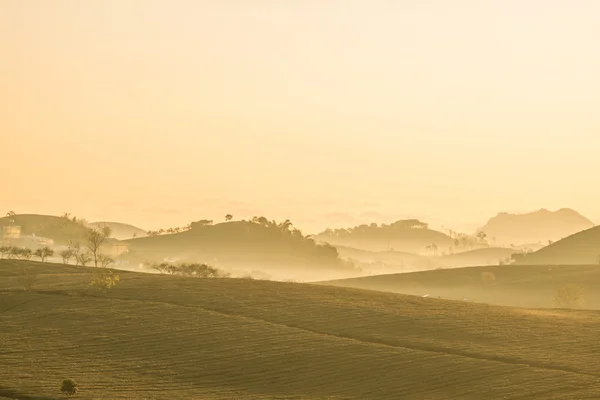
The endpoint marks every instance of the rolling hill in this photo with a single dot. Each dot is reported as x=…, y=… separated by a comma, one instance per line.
x=395, y=261
x=408, y=236
x=244, y=245
x=165, y=337
x=477, y=257
x=120, y=230
x=580, y=248
x=535, y=227
x=513, y=285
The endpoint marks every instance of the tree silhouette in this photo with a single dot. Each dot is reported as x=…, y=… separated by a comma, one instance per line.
x=95, y=239
x=228, y=217
x=44, y=253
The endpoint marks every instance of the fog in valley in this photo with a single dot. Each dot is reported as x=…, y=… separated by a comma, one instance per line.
x=260, y=200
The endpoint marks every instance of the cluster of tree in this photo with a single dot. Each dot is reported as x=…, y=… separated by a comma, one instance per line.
x=192, y=270
x=375, y=229
x=464, y=242
x=168, y=231
x=15, y=252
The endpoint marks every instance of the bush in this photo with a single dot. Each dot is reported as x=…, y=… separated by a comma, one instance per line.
x=193, y=270
x=69, y=387
x=569, y=296
x=105, y=279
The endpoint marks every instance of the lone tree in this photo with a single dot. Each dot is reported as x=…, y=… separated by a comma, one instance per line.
x=25, y=254
x=95, y=239
x=83, y=259
x=44, y=253
x=69, y=387
x=105, y=261
x=66, y=255
x=228, y=217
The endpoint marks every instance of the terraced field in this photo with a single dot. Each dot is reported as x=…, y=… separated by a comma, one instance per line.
x=513, y=285
x=163, y=337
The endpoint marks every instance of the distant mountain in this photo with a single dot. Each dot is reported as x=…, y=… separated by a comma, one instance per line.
x=580, y=248
x=535, y=227
x=409, y=236
x=60, y=229
x=120, y=230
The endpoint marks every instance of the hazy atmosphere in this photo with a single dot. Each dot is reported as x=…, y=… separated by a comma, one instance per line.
x=318, y=111
x=299, y=199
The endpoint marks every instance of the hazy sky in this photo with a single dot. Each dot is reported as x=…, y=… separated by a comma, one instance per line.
x=163, y=112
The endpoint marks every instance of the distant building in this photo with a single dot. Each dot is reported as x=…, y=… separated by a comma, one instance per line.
x=11, y=232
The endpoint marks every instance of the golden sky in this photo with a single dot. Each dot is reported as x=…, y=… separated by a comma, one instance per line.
x=162, y=112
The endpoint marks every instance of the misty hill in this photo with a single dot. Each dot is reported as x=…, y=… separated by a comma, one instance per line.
x=120, y=230
x=167, y=337
x=472, y=258
x=580, y=248
x=392, y=259
x=263, y=245
x=512, y=285
x=535, y=227
x=411, y=236
x=60, y=229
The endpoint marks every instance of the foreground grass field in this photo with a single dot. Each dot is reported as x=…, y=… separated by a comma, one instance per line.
x=164, y=337
x=512, y=285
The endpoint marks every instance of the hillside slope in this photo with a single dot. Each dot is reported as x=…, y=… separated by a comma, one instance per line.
x=535, y=227
x=513, y=285
x=580, y=248
x=61, y=230
x=158, y=337
x=473, y=258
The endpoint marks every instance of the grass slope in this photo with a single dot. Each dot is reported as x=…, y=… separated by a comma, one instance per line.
x=514, y=285
x=580, y=248
x=159, y=337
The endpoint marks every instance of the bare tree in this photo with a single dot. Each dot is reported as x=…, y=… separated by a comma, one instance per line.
x=25, y=254
x=44, y=253
x=95, y=239
x=105, y=261
x=83, y=259
x=67, y=255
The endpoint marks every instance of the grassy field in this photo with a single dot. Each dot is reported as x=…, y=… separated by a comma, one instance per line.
x=165, y=337
x=514, y=285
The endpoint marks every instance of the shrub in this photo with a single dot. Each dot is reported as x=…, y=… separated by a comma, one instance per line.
x=69, y=387
x=193, y=270
x=569, y=296
x=104, y=279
